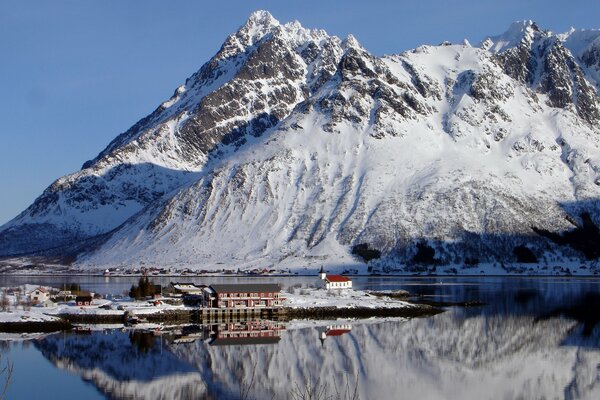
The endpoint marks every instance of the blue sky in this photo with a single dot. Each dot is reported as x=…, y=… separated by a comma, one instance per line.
x=76, y=73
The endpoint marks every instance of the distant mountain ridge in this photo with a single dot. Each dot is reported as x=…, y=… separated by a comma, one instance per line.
x=291, y=147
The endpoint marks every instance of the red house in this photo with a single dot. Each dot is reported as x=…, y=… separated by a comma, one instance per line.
x=83, y=300
x=243, y=295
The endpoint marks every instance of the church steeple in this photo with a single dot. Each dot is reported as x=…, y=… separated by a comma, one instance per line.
x=322, y=273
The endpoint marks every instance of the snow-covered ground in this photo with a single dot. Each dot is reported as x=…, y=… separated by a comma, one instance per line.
x=33, y=315
x=339, y=298
x=37, y=314
x=300, y=298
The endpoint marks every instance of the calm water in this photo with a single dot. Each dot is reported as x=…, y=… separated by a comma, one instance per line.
x=536, y=338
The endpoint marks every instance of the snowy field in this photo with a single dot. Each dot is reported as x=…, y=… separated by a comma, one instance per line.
x=295, y=298
x=342, y=298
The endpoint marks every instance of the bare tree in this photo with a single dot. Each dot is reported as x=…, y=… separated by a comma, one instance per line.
x=318, y=390
x=6, y=376
x=4, y=302
x=310, y=390
x=349, y=392
x=245, y=389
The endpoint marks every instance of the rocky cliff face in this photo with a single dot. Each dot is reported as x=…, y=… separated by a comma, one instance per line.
x=290, y=146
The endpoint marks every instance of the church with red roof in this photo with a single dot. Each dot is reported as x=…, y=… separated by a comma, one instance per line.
x=334, y=281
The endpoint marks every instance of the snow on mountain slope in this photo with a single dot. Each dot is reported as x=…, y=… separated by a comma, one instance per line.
x=261, y=72
x=347, y=167
x=290, y=146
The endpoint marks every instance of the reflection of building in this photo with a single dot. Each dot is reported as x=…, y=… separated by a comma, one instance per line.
x=333, y=330
x=334, y=281
x=191, y=333
x=243, y=295
x=253, y=332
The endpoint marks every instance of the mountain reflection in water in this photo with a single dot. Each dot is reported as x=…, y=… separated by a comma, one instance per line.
x=533, y=339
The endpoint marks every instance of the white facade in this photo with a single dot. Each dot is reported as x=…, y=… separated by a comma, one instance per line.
x=334, y=281
x=39, y=295
x=336, y=284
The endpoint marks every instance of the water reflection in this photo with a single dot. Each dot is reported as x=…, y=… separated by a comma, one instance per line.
x=448, y=356
x=533, y=339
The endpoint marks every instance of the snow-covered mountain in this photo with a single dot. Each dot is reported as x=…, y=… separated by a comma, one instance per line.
x=290, y=146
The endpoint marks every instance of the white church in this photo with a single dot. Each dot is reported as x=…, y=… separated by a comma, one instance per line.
x=334, y=281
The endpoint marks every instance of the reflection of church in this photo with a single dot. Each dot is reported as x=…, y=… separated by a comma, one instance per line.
x=332, y=331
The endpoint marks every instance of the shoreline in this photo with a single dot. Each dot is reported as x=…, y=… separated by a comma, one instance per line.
x=249, y=276
x=68, y=322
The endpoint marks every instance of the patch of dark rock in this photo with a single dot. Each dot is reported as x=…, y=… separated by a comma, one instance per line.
x=35, y=327
x=93, y=318
x=524, y=255
x=174, y=316
x=584, y=238
x=363, y=251
x=471, y=261
x=433, y=303
x=397, y=294
x=425, y=255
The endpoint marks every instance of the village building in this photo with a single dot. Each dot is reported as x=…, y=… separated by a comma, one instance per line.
x=64, y=295
x=83, y=300
x=187, y=288
x=46, y=303
x=243, y=295
x=38, y=295
x=334, y=281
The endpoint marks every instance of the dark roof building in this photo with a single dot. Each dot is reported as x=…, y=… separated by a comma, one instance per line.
x=247, y=288
x=243, y=295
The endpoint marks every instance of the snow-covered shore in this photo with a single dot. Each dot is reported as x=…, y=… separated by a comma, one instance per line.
x=342, y=298
x=300, y=302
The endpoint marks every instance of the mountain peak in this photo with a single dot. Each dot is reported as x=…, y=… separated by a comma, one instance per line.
x=352, y=43
x=517, y=33
x=261, y=18
x=258, y=24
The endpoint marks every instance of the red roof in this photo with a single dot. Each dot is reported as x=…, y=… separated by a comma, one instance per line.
x=336, y=278
x=337, y=332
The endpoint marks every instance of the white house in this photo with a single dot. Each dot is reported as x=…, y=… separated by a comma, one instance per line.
x=334, y=281
x=38, y=295
x=187, y=288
